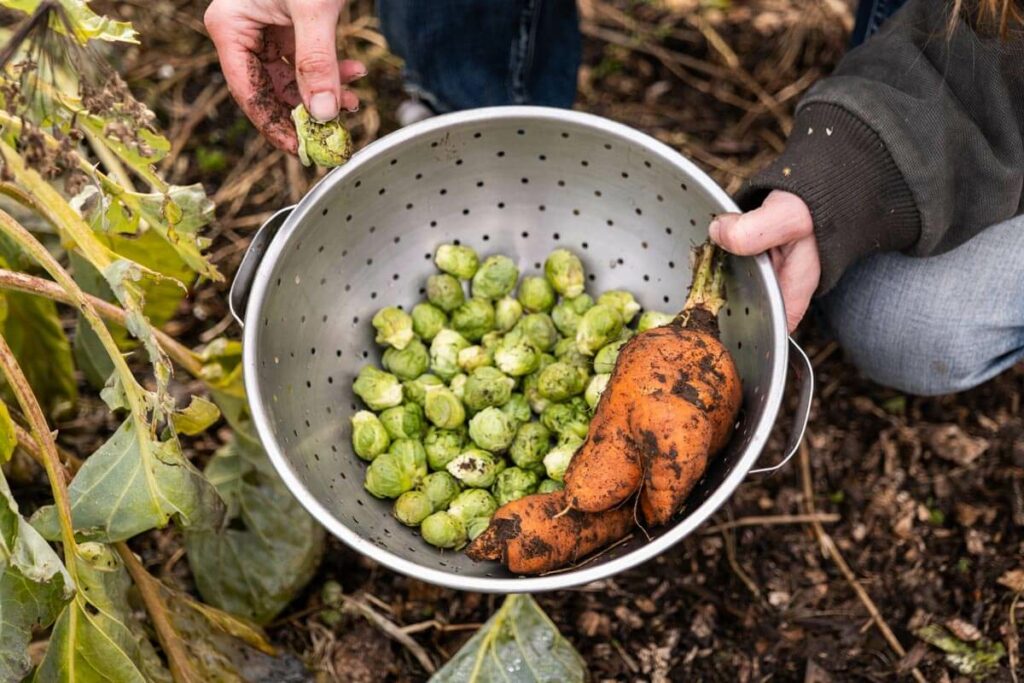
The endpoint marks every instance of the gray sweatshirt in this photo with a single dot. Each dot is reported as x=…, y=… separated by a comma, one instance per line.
x=915, y=143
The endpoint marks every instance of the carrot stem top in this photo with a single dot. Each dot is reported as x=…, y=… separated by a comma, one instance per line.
x=707, y=291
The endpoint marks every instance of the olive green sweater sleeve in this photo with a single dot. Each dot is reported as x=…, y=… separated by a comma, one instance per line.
x=915, y=143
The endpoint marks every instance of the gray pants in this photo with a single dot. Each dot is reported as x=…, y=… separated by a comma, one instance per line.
x=935, y=325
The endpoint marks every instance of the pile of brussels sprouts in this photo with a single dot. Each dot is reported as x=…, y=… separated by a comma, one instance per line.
x=484, y=399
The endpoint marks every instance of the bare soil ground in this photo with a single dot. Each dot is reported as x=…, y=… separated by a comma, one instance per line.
x=923, y=499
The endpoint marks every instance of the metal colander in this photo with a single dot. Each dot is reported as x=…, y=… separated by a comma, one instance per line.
x=519, y=181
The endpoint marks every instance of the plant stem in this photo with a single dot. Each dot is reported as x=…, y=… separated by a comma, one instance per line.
x=707, y=290
x=170, y=641
x=25, y=441
x=47, y=445
x=28, y=284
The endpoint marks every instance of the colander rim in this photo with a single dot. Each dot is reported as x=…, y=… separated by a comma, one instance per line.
x=556, y=581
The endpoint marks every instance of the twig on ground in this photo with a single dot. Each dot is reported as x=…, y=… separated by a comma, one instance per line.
x=730, y=554
x=1013, y=638
x=772, y=520
x=393, y=631
x=434, y=624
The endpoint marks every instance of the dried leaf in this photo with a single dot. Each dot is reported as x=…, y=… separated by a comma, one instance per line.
x=1013, y=579
x=121, y=490
x=518, y=643
x=97, y=638
x=34, y=585
x=950, y=442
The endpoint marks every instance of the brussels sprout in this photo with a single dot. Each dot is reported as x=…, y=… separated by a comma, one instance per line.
x=443, y=530
x=427, y=320
x=560, y=381
x=473, y=504
x=539, y=330
x=496, y=277
x=369, y=438
x=532, y=442
x=389, y=476
x=567, y=419
x=626, y=335
x=567, y=314
x=457, y=260
x=492, y=430
x=412, y=455
x=518, y=409
x=491, y=340
x=622, y=301
x=597, y=385
x=507, y=312
x=604, y=361
x=445, y=292
x=442, y=445
x=458, y=386
x=487, y=387
x=473, y=319
x=443, y=408
x=557, y=459
x=407, y=363
x=514, y=483
x=394, y=327
x=564, y=271
x=536, y=294
x=550, y=486
x=473, y=357
x=444, y=353
x=474, y=467
x=599, y=326
x=440, y=488
x=477, y=526
x=651, y=319
x=326, y=144
x=566, y=351
x=416, y=389
x=378, y=389
x=516, y=356
x=537, y=402
x=412, y=507
x=404, y=421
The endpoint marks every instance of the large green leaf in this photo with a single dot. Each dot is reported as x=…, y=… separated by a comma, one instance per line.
x=97, y=638
x=270, y=549
x=177, y=215
x=35, y=335
x=121, y=491
x=85, y=24
x=518, y=643
x=33, y=586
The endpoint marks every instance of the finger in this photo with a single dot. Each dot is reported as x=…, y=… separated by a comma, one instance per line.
x=285, y=86
x=798, y=275
x=253, y=89
x=782, y=218
x=350, y=70
x=316, y=62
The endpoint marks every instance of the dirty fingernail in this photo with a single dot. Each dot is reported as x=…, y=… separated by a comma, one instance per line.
x=353, y=109
x=323, y=106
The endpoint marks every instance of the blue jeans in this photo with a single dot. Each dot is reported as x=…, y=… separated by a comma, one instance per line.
x=923, y=325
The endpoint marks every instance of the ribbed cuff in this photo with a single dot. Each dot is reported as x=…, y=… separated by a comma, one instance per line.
x=860, y=202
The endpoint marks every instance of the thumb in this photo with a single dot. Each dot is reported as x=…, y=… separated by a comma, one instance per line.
x=316, y=62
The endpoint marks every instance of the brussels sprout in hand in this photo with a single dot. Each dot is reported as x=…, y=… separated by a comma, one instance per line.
x=416, y=389
x=427, y=320
x=389, y=476
x=459, y=261
x=408, y=363
x=492, y=430
x=536, y=294
x=557, y=459
x=394, y=327
x=564, y=271
x=599, y=326
x=404, y=421
x=597, y=385
x=412, y=507
x=513, y=483
x=518, y=409
x=604, y=361
x=369, y=438
x=621, y=301
x=443, y=530
x=473, y=319
x=507, y=312
x=516, y=356
x=495, y=278
x=325, y=144
x=443, y=408
x=444, y=353
x=567, y=314
x=651, y=319
x=487, y=387
x=539, y=330
x=440, y=488
x=378, y=389
x=473, y=504
x=474, y=468
x=532, y=442
x=560, y=381
x=445, y=292
x=550, y=486
x=443, y=445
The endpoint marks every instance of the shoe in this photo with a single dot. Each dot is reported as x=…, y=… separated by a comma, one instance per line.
x=413, y=111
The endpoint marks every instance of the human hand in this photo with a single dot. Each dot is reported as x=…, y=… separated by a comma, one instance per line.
x=277, y=53
x=783, y=227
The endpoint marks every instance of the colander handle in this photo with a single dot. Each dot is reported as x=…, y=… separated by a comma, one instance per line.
x=803, y=373
x=238, y=297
